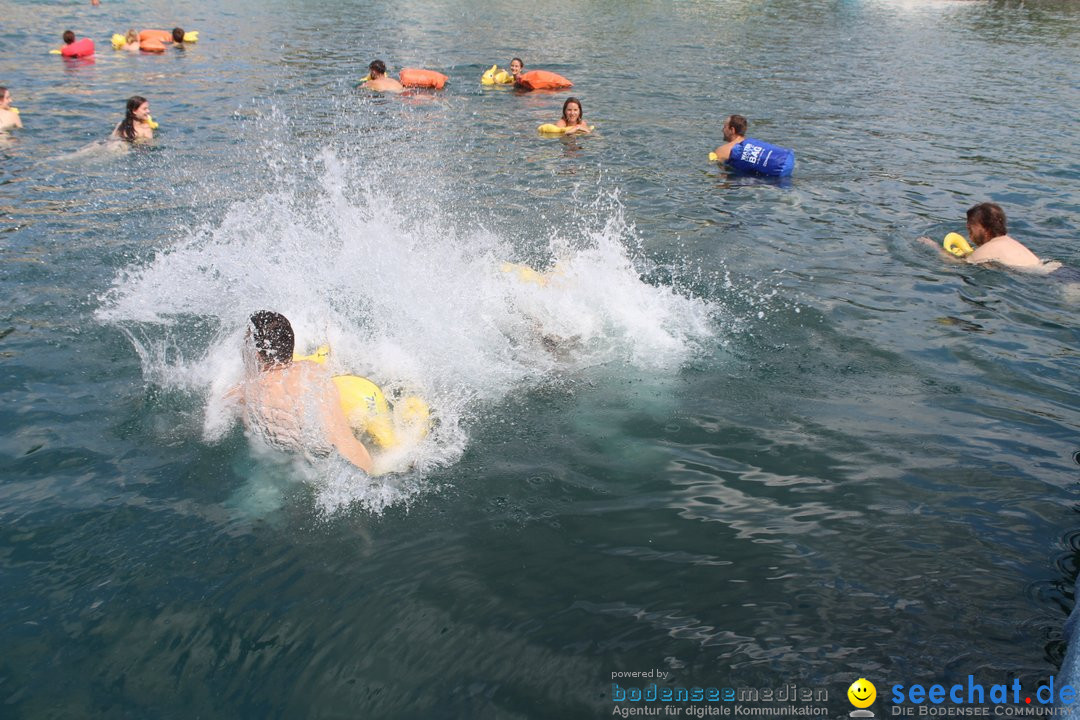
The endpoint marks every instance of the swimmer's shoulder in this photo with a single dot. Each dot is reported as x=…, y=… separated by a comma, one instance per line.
x=1006, y=251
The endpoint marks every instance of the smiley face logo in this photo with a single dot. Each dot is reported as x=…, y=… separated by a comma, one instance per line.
x=862, y=693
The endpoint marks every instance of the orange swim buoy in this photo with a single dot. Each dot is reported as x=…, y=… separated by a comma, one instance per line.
x=159, y=36
x=79, y=48
x=151, y=46
x=542, y=80
x=415, y=77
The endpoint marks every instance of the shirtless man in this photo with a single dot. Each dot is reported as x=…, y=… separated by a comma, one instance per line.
x=8, y=117
x=378, y=81
x=294, y=405
x=986, y=229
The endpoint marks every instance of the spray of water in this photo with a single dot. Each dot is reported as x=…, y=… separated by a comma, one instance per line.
x=414, y=303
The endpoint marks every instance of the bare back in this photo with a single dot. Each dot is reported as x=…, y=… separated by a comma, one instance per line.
x=9, y=118
x=384, y=84
x=297, y=408
x=1006, y=251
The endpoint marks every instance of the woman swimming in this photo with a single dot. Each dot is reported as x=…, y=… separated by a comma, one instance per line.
x=136, y=123
x=572, y=118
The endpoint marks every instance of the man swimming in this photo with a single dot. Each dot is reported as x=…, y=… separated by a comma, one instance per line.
x=378, y=81
x=294, y=405
x=752, y=155
x=987, y=231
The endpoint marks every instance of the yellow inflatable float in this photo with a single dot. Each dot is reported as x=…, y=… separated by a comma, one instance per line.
x=495, y=76
x=955, y=244
x=370, y=413
x=553, y=129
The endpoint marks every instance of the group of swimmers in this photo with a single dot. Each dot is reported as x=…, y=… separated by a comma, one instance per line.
x=571, y=122
x=295, y=405
x=137, y=123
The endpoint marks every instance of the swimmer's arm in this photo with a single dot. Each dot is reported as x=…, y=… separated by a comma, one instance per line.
x=723, y=152
x=341, y=435
x=941, y=250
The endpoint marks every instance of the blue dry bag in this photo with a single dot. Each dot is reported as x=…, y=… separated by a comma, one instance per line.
x=755, y=156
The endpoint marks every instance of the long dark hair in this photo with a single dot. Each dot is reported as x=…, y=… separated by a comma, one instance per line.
x=126, y=130
x=581, y=116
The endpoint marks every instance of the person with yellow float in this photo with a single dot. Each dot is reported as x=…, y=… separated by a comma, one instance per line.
x=292, y=404
x=571, y=122
x=9, y=116
x=987, y=229
x=137, y=123
x=495, y=76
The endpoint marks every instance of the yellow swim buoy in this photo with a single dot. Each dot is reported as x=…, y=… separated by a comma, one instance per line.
x=191, y=36
x=713, y=157
x=494, y=76
x=368, y=411
x=150, y=121
x=118, y=41
x=319, y=356
x=553, y=129
x=955, y=244
x=525, y=273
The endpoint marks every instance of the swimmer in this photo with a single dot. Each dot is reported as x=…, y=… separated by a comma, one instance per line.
x=136, y=123
x=293, y=405
x=378, y=81
x=987, y=231
x=8, y=117
x=132, y=38
x=572, y=118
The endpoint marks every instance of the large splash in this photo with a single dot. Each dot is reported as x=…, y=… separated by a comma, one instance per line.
x=409, y=300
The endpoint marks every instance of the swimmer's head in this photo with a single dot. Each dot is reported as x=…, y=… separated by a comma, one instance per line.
x=985, y=222
x=69, y=37
x=272, y=335
x=516, y=66
x=132, y=36
x=5, y=97
x=377, y=68
x=573, y=105
x=178, y=35
x=734, y=126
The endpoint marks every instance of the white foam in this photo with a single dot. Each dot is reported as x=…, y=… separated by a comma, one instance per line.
x=413, y=303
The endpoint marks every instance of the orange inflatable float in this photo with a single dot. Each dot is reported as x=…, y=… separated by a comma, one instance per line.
x=79, y=48
x=415, y=77
x=161, y=36
x=542, y=80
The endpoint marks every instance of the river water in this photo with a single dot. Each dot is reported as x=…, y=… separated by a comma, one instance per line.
x=751, y=434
